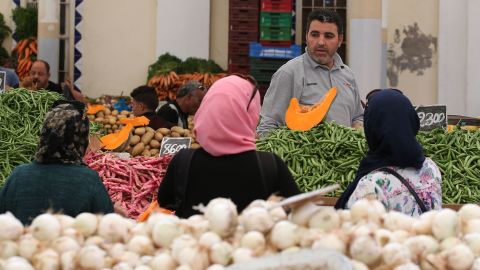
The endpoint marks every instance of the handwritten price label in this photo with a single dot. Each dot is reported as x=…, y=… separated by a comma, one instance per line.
x=432, y=117
x=3, y=78
x=171, y=145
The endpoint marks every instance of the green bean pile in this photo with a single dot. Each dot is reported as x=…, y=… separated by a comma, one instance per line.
x=327, y=154
x=330, y=153
x=457, y=154
x=21, y=118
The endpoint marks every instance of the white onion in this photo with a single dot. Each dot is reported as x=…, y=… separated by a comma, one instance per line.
x=113, y=228
x=423, y=224
x=383, y=236
x=8, y=249
x=407, y=266
x=91, y=257
x=473, y=242
x=325, y=218
x=165, y=231
x=284, y=235
x=471, y=226
x=65, y=221
x=330, y=241
x=394, y=220
x=18, y=263
x=194, y=257
x=156, y=217
x=365, y=249
x=216, y=267
x=67, y=260
x=395, y=254
x=86, y=223
x=10, y=227
x=367, y=210
x=141, y=245
x=28, y=246
x=45, y=227
x=445, y=224
x=420, y=246
x=222, y=215
x=131, y=258
x=181, y=242
x=257, y=219
x=122, y=266
x=195, y=225
x=46, y=260
x=302, y=213
x=163, y=261
x=221, y=253
x=207, y=239
x=448, y=243
x=64, y=243
x=255, y=241
x=242, y=255
x=139, y=229
x=460, y=257
x=74, y=234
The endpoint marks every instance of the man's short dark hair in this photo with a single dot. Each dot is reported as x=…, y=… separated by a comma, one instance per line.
x=47, y=66
x=325, y=16
x=146, y=95
x=189, y=87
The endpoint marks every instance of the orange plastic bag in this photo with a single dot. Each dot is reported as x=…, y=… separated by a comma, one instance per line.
x=153, y=207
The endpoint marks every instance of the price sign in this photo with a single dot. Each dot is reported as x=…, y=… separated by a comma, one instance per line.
x=432, y=117
x=171, y=145
x=3, y=78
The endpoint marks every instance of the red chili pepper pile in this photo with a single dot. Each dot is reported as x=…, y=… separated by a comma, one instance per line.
x=133, y=182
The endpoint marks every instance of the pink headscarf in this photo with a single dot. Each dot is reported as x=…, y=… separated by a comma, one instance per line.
x=223, y=126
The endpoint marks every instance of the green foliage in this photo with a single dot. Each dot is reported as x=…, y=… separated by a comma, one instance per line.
x=167, y=62
x=26, y=21
x=193, y=64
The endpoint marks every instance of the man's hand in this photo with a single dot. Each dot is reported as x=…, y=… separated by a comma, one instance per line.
x=75, y=94
x=357, y=125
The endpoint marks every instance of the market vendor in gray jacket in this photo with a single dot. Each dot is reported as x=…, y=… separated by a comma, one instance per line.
x=308, y=77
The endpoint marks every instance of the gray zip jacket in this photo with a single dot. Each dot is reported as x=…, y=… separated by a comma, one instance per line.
x=309, y=81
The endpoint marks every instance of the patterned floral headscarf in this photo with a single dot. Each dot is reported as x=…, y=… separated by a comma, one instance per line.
x=64, y=136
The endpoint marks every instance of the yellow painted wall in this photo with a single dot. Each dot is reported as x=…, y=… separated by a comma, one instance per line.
x=421, y=89
x=6, y=10
x=219, y=32
x=118, y=41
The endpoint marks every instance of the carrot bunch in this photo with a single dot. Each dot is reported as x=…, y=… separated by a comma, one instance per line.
x=26, y=51
x=167, y=84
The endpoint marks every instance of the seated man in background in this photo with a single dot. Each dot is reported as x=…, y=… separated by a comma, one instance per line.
x=189, y=97
x=40, y=79
x=144, y=103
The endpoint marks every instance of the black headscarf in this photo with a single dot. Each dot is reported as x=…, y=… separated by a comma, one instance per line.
x=64, y=136
x=391, y=124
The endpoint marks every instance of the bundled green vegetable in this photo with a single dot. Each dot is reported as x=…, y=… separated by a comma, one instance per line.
x=330, y=153
x=21, y=118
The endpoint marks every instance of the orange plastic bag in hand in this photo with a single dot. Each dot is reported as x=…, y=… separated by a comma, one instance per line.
x=153, y=207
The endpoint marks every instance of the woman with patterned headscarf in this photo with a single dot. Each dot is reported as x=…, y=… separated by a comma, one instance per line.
x=228, y=164
x=57, y=180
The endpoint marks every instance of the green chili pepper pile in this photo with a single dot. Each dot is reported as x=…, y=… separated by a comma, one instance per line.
x=21, y=118
x=330, y=153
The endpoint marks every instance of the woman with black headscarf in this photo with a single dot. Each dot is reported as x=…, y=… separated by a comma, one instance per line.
x=57, y=179
x=395, y=171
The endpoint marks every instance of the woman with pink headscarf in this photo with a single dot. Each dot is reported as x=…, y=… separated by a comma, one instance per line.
x=228, y=165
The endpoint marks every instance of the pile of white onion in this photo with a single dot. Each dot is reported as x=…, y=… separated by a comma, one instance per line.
x=371, y=237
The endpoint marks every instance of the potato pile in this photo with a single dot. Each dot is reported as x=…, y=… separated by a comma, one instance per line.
x=110, y=119
x=145, y=141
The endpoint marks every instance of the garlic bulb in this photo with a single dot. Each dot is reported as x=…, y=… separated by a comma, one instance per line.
x=11, y=228
x=165, y=231
x=28, y=246
x=460, y=257
x=113, y=228
x=45, y=227
x=395, y=254
x=141, y=245
x=222, y=215
x=207, y=239
x=255, y=241
x=85, y=223
x=46, y=260
x=91, y=257
x=445, y=224
x=284, y=235
x=242, y=255
x=8, y=249
x=221, y=253
x=326, y=219
x=257, y=219
x=367, y=210
x=365, y=249
x=163, y=261
x=394, y=220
